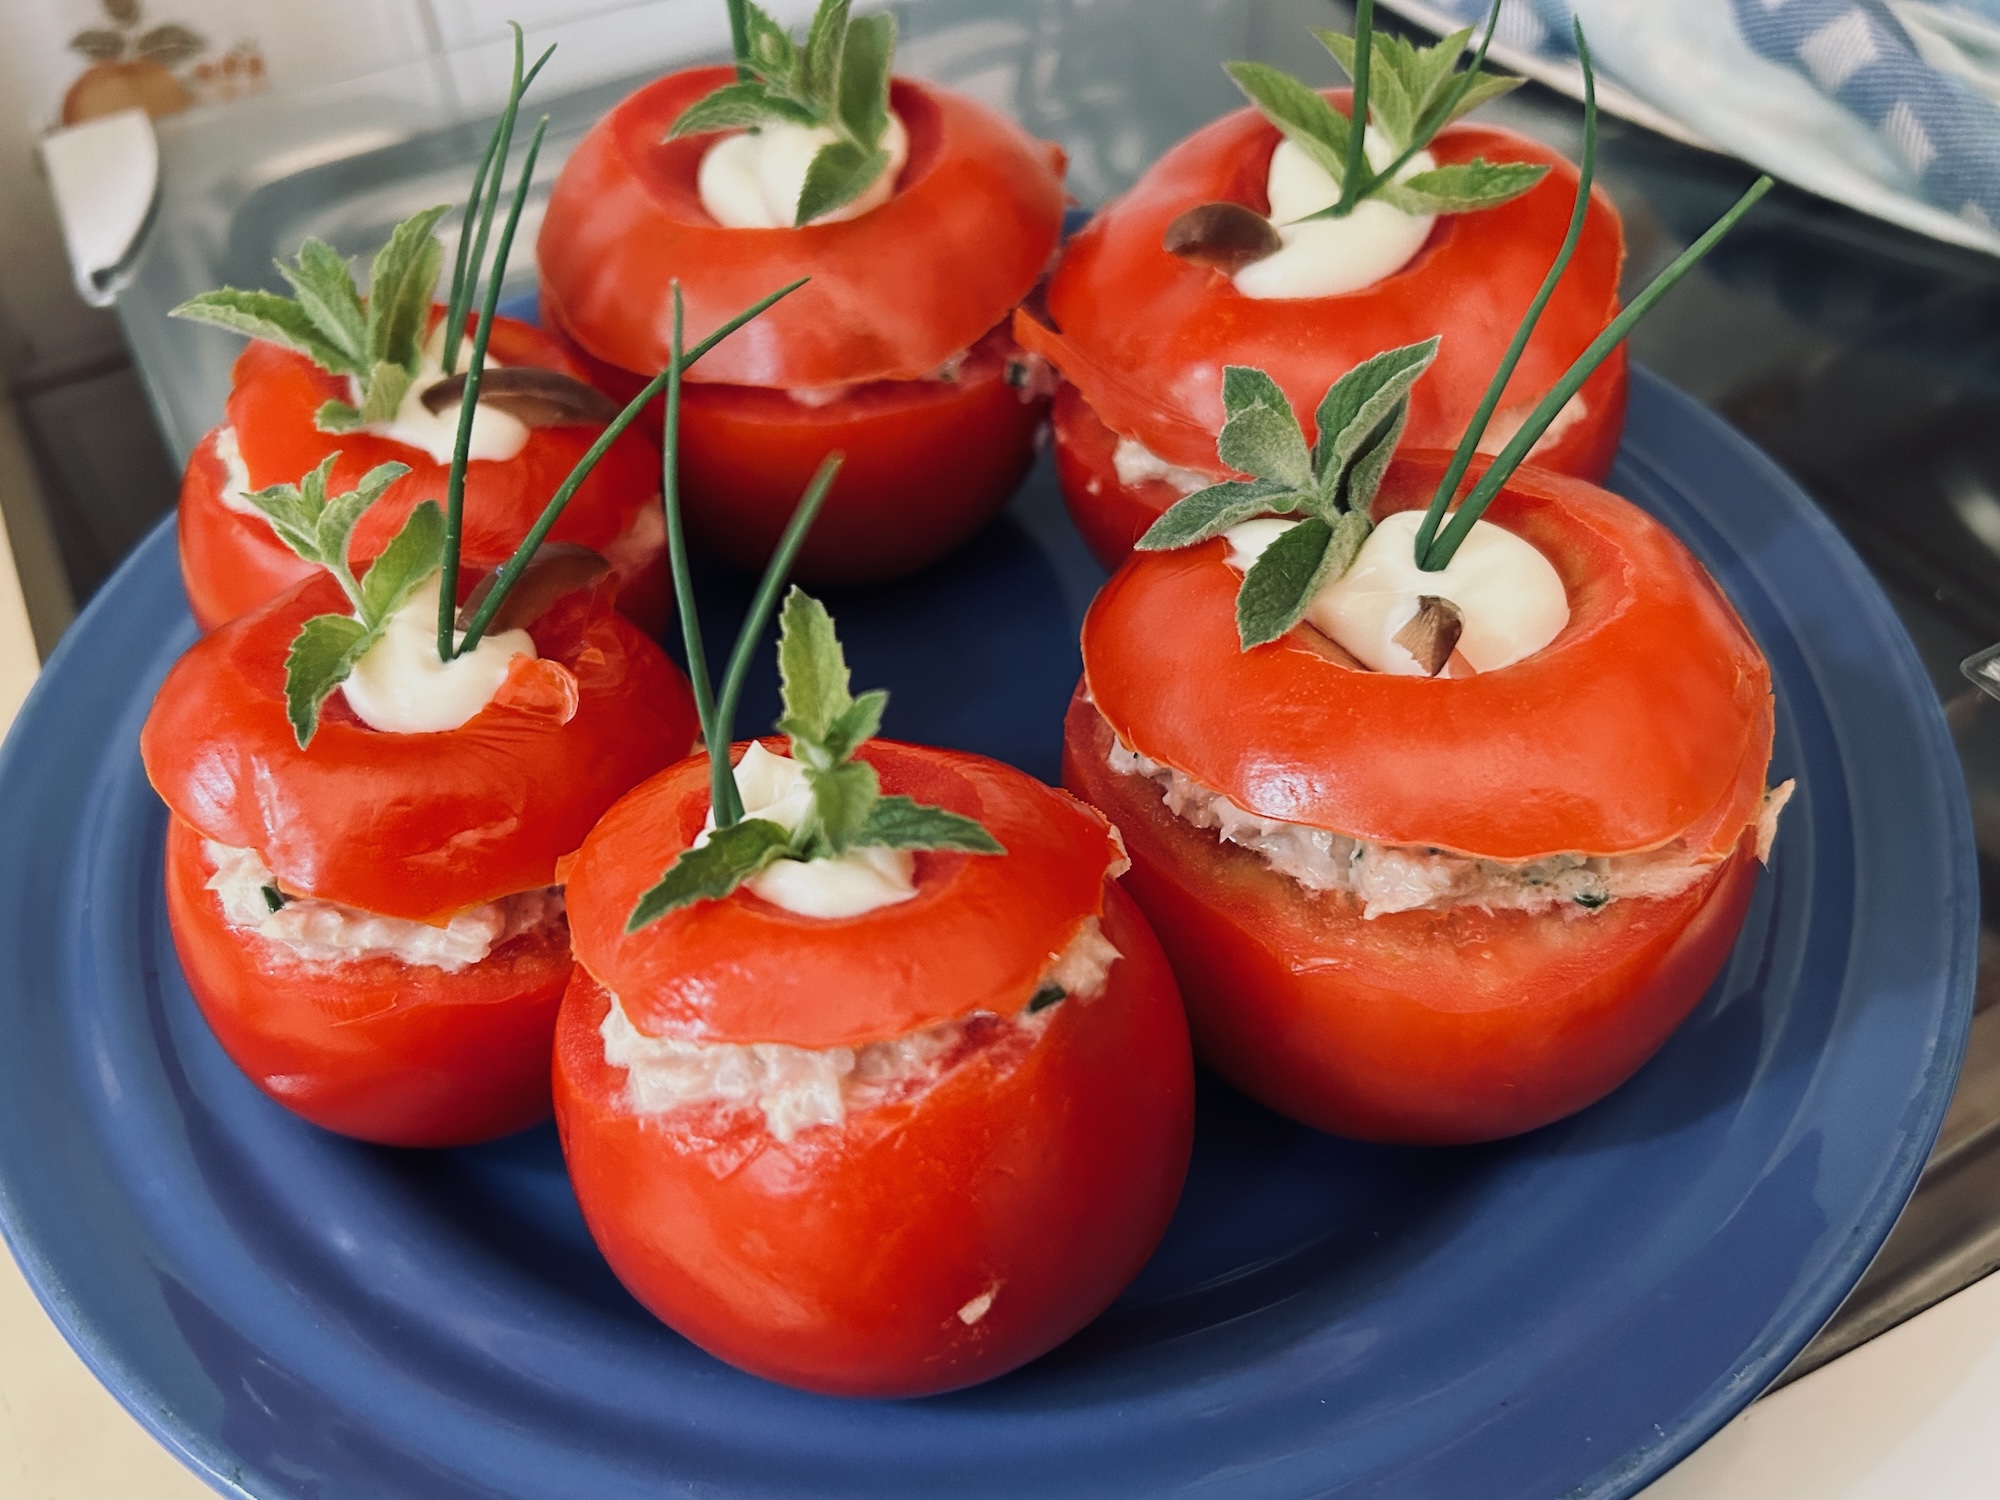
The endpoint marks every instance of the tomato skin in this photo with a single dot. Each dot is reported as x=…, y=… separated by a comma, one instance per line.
x=419, y=826
x=384, y=1051
x=1420, y=1027
x=1531, y=760
x=893, y=295
x=926, y=464
x=976, y=936
x=232, y=562
x=840, y=1261
x=1145, y=334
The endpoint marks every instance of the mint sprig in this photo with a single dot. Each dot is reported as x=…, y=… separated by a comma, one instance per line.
x=825, y=724
x=1331, y=484
x=320, y=529
x=838, y=79
x=378, y=341
x=1407, y=92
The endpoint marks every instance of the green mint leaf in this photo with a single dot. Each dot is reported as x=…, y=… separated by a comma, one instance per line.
x=338, y=417
x=857, y=725
x=864, y=76
x=1319, y=129
x=812, y=677
x=323, y=286
x=1355, y=406
x=731, y=856
x=401, y=283
x=738, y=106
x=1282, y=582
x=266, y=315
x=1210, y=512
x=1390, y=107
x=294, y=510
x=1429, y=71
x=1261, y=435
x=337, y=519
x=385, y=386
x=839, y=174
x=1370, y=462
x=1462, y=187
x=323, y=653
x=1349, y=532
x=772, y=58
x=843, y=796
x=1483, y=88
x=900, y=823
x=413, y=554
x=819, y=63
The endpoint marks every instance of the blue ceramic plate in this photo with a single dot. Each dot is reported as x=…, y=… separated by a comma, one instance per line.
x=1563, y=1314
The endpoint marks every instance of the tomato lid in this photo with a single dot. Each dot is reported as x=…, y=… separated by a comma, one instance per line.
x=1647, y=720
x=978, y=935
x=1145, y=334
x=894, y=293
x=419, y=826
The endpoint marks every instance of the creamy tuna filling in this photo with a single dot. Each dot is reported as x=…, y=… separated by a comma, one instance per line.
x=1391, y=877
x=318, y=931
x=796, y=1088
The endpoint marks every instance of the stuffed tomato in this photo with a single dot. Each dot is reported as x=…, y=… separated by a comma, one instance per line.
x=1221, y=255
x=533, y=424
x=372, y=923
x=1435, y=908
x=887, y=1154
x=896, y=353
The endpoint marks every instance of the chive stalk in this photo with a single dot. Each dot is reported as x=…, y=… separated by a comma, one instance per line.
x=739, y=38
x=1446, y=109
x=1357, y=125
x=468, y=405
x=1476, y=429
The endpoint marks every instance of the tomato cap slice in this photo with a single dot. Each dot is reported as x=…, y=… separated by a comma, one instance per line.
x=1648, y=719
x=1145, y=334
x=894, y=293
x=419, y=826
x=978, y=934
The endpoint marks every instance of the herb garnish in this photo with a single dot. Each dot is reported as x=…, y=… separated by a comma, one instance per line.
x=1409, y=94
x=823, y=720
x=839, y=80
x=1360, y=421
x=1333, y=483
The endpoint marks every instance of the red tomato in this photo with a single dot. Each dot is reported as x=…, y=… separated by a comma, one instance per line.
x=1647, y=721
x=1144, y=335
x=943, y=1234
x=1431, y=1028
x=747, y=454
x=419, y=826
x=850, y=362
x=395, y=1053
x=232, y=561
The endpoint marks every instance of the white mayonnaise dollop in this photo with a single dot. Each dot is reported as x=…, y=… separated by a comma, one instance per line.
x=1326, y=257
x=752, y=180
x=1509, y=597
x=774, y=787
x=496, y=435
x=401, y=687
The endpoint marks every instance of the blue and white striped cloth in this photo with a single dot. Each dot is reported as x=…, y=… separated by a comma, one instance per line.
x=1922, y=74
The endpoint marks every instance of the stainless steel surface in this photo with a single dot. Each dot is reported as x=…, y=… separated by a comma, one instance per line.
x=1862, y=357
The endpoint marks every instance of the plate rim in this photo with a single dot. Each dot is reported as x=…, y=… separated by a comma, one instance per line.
x=1752, y=1370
